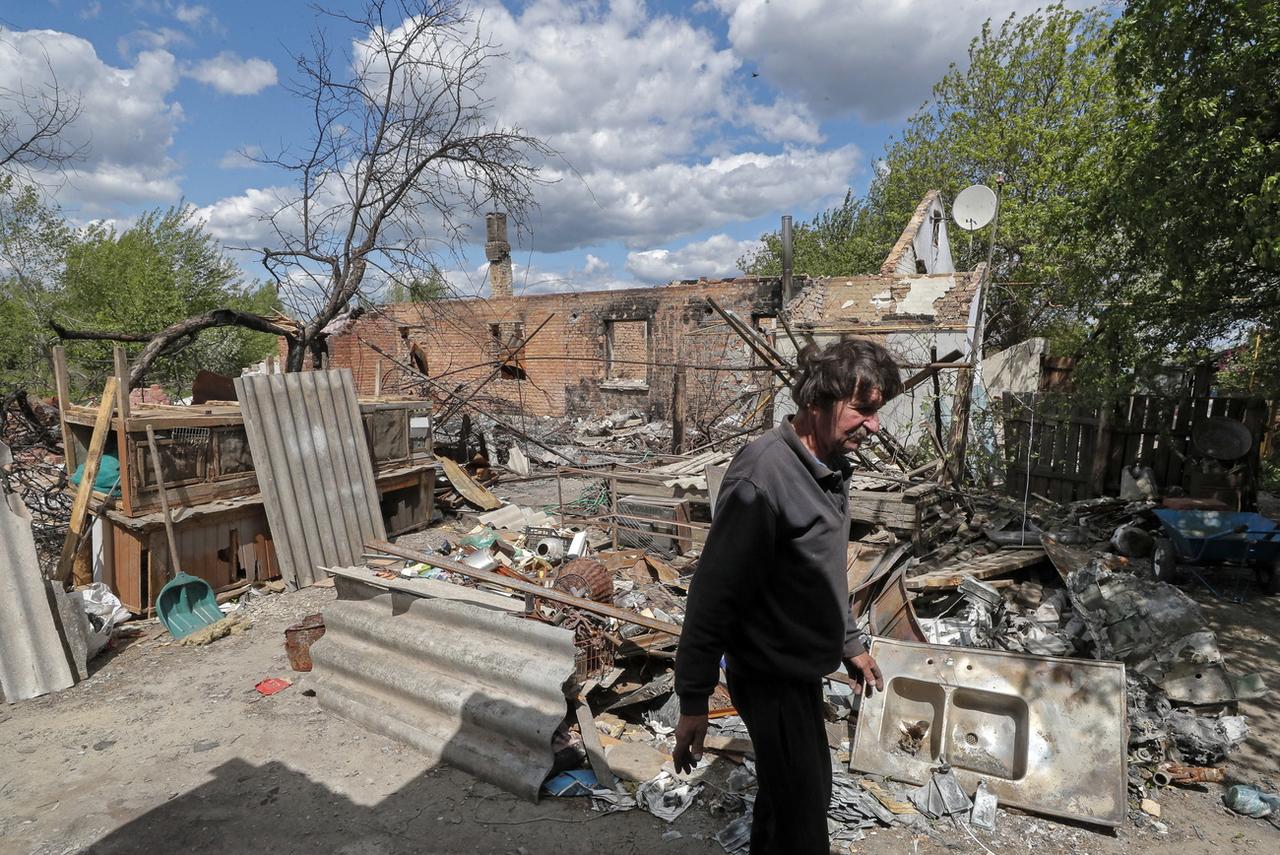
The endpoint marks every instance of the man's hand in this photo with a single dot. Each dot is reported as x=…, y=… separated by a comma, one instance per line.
x=865, y=673
x=691, y=730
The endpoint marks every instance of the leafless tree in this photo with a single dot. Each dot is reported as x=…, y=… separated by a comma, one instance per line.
x=33, y=121
x=401, y=156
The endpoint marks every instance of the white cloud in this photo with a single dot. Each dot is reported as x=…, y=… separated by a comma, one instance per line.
x=239, y=219
x=126, y=123
x=715, y=258
x=658, y=126
x=192, y=15
x=91, y=10
x=241, y=158
x=646, y=206
x=660, y=130
x=159, y=38
x=594, y=265
x=875, y=59
x=230, y=74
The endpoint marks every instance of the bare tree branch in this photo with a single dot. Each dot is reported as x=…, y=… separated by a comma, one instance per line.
x=179, y=335
x=32, y=126
x=401, y=159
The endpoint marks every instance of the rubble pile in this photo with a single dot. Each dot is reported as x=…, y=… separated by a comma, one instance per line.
x=32, y=469
x=1051, y=581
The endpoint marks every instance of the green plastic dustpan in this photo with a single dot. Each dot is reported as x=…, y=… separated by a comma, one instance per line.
x=187, y=604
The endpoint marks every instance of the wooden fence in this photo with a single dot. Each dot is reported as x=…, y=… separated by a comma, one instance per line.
x=1070, y=452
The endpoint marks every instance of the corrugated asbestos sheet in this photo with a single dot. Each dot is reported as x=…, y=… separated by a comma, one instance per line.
x=33, y=659
x=478, y=688
x=313, y=468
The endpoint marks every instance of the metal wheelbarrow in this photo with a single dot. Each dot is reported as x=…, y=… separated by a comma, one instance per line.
x=1205, y=538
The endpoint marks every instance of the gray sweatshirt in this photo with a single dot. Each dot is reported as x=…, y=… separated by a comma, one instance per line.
x=771, y=591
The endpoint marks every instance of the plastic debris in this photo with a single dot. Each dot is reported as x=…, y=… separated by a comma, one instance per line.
x=576, y=782
x=1250, y=801
x=272, y=685
x=666, y=797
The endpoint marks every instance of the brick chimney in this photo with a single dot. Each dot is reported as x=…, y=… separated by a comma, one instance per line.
x=498, y=251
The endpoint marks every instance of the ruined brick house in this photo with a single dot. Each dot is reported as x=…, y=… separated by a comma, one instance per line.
x=603, y=351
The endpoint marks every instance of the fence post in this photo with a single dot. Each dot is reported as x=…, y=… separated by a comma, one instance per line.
x=1102, y=448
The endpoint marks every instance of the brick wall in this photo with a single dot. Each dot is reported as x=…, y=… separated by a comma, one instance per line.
x=566, y=362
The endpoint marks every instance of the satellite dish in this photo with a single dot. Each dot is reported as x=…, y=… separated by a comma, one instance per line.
x=974, y=207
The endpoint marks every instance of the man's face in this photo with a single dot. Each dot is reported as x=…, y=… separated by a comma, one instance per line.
x=851, y=421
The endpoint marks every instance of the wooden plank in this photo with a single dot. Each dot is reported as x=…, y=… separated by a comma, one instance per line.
x=468, y=487
x=62, y=386
x=1071, y=461
x=1161, y=454
x=121, y=363
x=1180, y=442
x=1043, y=455
x=93, y=458
x=159, y=570
x=994, y=564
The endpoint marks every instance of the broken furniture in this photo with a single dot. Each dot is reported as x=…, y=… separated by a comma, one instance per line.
x=915, y=512
x=220, y=527
x=1046, y=734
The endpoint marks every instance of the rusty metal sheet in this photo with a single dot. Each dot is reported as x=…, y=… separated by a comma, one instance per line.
x=476, y=687
x=34, y=659
x=313, y=467
x=1046, y=734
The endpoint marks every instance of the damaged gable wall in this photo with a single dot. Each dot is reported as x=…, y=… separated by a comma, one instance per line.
x=567, y=363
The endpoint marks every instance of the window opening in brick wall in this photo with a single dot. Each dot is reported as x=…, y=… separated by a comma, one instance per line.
x=505, y=340
x=627, y=349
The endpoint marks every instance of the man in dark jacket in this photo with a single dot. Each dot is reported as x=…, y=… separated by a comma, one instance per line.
x=771, y=593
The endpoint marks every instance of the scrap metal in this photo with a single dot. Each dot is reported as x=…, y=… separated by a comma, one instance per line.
x=1046, y=734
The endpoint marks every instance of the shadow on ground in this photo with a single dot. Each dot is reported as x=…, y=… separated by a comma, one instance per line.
x=271, y=808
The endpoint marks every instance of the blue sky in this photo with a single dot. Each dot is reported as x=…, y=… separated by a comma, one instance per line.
x=689, y=128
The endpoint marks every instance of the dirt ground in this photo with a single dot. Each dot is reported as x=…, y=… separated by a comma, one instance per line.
x=170, y=749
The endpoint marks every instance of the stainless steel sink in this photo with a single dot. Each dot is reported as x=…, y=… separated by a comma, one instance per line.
x=1047, y=734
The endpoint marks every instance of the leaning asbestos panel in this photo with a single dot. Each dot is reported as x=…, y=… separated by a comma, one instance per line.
x=478, y=688
x=1046, y=734
x=33, y=658
x=313, y=467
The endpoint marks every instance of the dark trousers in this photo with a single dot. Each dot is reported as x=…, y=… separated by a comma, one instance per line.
x=793, y=764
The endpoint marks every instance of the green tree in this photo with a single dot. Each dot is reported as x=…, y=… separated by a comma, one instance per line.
x=162, y=269
x=1197, y=188
x=841, y=241
x=33, y=244
x=1036, y=102
x=416, y=289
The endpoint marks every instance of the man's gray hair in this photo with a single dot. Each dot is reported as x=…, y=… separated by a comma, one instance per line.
x=841, y=370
